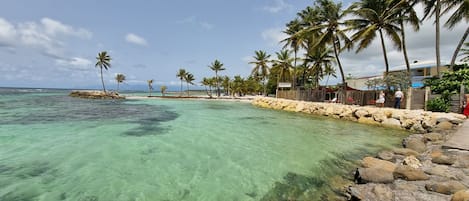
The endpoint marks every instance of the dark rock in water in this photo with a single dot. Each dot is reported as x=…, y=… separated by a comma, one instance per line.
x=96, y=95
x=374, y=175
x=447, y=188
x=410, y=174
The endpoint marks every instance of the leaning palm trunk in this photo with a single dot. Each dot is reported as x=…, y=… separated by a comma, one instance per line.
x=404, y=50
x=456, y=52
x=102, y=80
x=385, y=56
x=187, y=87
x=294, y=69
x=180, y=91
x=344, y=87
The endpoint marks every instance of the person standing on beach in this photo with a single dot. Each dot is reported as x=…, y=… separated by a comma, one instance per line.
x=398, y=96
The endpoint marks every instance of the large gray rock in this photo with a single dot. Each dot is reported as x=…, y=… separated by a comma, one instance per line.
x=373, y=175
x=386, y=155
x=405, y=152
x=448, y=187
x=410, y=174
x=391, y=122
x=462, y=195
x=415, y=144
x=433, y=137
x=383, y=193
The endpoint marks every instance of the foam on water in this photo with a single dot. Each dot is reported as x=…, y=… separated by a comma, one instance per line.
x=53, y=147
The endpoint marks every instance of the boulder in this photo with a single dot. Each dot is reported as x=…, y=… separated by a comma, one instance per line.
x=415, y=144
x=448, y=187
x=367, y=120
x=379, y=116
x=355, y=194
x=412, y=162
x=96, y=95
x=405, y=151
x=462, y=195
x=440, y=170
x=446, y=125
x=370, y=162
x=361, y=112
x=383, y=193
x=439, y=158
x=410, y=174
x=433, y=137
x=373, y=175
x=386, y=155
x=391, y=122
x=462, y=161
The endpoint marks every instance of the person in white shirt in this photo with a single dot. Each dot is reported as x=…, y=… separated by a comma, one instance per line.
x=398, y=96
x=381, y=99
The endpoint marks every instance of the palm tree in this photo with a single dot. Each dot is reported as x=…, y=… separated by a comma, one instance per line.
x=329, y=70
x=407, y=15
x=163, y=89
x=208, y=82
x=320, y=58
x=150, y=85
x=376, y=16
x=331, y=17
x=189, y=78
x=261, y=67
x=460, y=14
x=217, y=66
x=465, y=53
x=119, y=79
x=181, y=75
x=284, y=63
x=295, y=41
x=433, y=7
x=103, y=61
x=225, y=83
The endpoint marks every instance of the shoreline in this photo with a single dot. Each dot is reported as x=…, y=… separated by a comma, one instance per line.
x=247, y=99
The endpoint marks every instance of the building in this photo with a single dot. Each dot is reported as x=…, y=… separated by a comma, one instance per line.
x=418, y=71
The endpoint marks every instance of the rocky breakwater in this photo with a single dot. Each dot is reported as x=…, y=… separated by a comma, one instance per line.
x=95, y=95
x=422, y=169
x=417, y=121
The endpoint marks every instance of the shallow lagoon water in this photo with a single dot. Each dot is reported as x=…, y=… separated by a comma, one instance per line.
x=53, y=147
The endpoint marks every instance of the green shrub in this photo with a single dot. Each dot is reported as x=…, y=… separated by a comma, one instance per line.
x=438, y=105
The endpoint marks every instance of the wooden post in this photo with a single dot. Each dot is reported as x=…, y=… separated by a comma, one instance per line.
x=427, y=96
x=408, y=99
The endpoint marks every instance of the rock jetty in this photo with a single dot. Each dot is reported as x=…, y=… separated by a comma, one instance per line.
x=96, y=95
x=422, y=169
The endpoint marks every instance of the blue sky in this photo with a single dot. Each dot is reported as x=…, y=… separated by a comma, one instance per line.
x=53, y=43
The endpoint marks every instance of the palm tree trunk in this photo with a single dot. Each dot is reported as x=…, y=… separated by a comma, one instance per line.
x=384, y=52
x=456, y=52
x=344, y=87
x=294, y=68
x=404, y=50
x=102, y=80
x=265, y=87
x=437, y=35
x=117, y=86
x=218, y=84
x=180, y=91
x=187, y=87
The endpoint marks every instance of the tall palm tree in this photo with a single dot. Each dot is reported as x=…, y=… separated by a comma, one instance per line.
x=189, y=78
x=433, y=8
x=119, y=79
x=150, y=85
x=261, y=67
x=409, y=16
x=460, y=14
x=181, y=74
x=217, y=66
x=331, y=17
x=225, y=83
x=284, y=63
x=376, y=16
x=103, y=61
x=320, y=59
x=294, y=41
x=208, y=82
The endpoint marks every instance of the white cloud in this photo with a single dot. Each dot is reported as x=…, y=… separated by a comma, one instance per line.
x=278, y=6
x=273, y=36
x=134, y=39
x=192, y=20
x=7, y=33
x=53, y=28
x=75, y=62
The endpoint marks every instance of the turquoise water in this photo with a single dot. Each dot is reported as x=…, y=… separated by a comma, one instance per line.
x=53, y=147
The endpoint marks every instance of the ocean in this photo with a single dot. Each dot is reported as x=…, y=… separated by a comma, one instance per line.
x=54, y=147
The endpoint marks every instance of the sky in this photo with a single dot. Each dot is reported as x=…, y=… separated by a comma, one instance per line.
x=54, y=43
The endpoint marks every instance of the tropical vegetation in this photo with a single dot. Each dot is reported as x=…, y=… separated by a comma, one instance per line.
x=120, y=78
x=217, y=66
